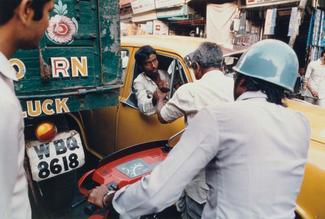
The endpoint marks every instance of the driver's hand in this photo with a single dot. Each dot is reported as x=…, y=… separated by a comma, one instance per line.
x=159, y=95
x=314, y=93
x=162, y=84
x=97, y=194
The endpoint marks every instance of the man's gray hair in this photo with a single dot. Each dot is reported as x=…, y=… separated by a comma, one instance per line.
x=208, y=55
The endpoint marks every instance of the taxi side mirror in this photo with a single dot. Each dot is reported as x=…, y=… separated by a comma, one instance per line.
x=229, y=60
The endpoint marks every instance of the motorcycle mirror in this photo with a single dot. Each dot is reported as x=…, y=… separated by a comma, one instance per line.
x=172, y=141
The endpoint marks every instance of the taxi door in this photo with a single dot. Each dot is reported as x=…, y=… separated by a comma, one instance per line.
x=132, y=126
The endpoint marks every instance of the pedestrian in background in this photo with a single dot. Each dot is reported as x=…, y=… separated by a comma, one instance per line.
x=22, y=25
x=211, y=87
x=315, y=81
x=254, y=160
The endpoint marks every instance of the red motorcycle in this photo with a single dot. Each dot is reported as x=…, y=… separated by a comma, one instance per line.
x=123, y=168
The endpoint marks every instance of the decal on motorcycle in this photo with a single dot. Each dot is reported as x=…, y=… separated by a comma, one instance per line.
x=63, y=154
x=135, y=168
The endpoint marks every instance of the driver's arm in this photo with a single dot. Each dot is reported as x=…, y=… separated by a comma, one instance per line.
x=179, y=105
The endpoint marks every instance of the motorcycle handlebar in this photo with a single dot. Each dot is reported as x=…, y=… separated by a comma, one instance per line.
x=90, y=209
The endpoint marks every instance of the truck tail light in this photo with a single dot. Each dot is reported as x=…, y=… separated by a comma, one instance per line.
x=45, y=131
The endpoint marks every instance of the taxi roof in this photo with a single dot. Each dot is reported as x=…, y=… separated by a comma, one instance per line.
x=181, y=45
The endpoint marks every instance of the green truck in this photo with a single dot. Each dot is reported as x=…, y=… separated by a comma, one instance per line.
x=77, y=67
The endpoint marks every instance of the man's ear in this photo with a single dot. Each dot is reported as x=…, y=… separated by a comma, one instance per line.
x=198, y=71
x=194, y=65
x=24, y=12
x=242, y=82
x=239, y=87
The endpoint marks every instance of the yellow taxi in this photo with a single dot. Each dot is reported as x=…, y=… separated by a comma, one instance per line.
x=123, y=125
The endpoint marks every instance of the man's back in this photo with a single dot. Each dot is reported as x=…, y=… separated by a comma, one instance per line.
x=259, y=165
x=212, y=89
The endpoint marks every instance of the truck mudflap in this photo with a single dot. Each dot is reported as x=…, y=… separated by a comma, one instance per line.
x=61, y=155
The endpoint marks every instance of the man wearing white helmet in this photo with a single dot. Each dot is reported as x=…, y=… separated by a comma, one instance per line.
x=254, y=162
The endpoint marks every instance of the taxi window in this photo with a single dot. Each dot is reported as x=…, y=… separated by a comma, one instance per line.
x=178, y=76
x=125, y=54
x=169, y=64
x=173, y=67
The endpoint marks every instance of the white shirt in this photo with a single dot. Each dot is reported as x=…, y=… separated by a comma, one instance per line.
x=213, y=88
x=315, y=74
x=254, y=154
x=144, y=88
x=14, y=202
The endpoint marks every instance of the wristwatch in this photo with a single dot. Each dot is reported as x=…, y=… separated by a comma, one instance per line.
x=107, y=199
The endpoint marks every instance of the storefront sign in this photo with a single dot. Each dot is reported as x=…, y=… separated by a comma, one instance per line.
x=175, y=12
x=140, y=6
x=168, y=3
x=257, y=3
x=242, y=41
x=148, y=16
x=160, y=28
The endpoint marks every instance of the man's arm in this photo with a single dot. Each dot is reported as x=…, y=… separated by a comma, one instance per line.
x=9, y=149
x=179, y=105
x=197, y=147
x=161, y=101
x=309, y=71
x=309, y=87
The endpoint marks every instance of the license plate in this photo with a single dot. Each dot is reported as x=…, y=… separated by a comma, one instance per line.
x=63, y=154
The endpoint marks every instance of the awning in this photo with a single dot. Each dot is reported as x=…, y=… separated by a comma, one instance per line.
x=168, y=3
x=199, y=21
x=144, y=17
x=180, y=11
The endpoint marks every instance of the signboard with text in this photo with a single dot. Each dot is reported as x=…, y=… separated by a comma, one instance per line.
x=140, y=6
x=256, y=3
x=168, y=3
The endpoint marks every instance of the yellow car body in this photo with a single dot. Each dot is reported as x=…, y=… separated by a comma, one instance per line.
x=311, y=199
x=124, y=126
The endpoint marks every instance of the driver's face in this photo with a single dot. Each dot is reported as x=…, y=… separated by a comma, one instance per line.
x=151, y=65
